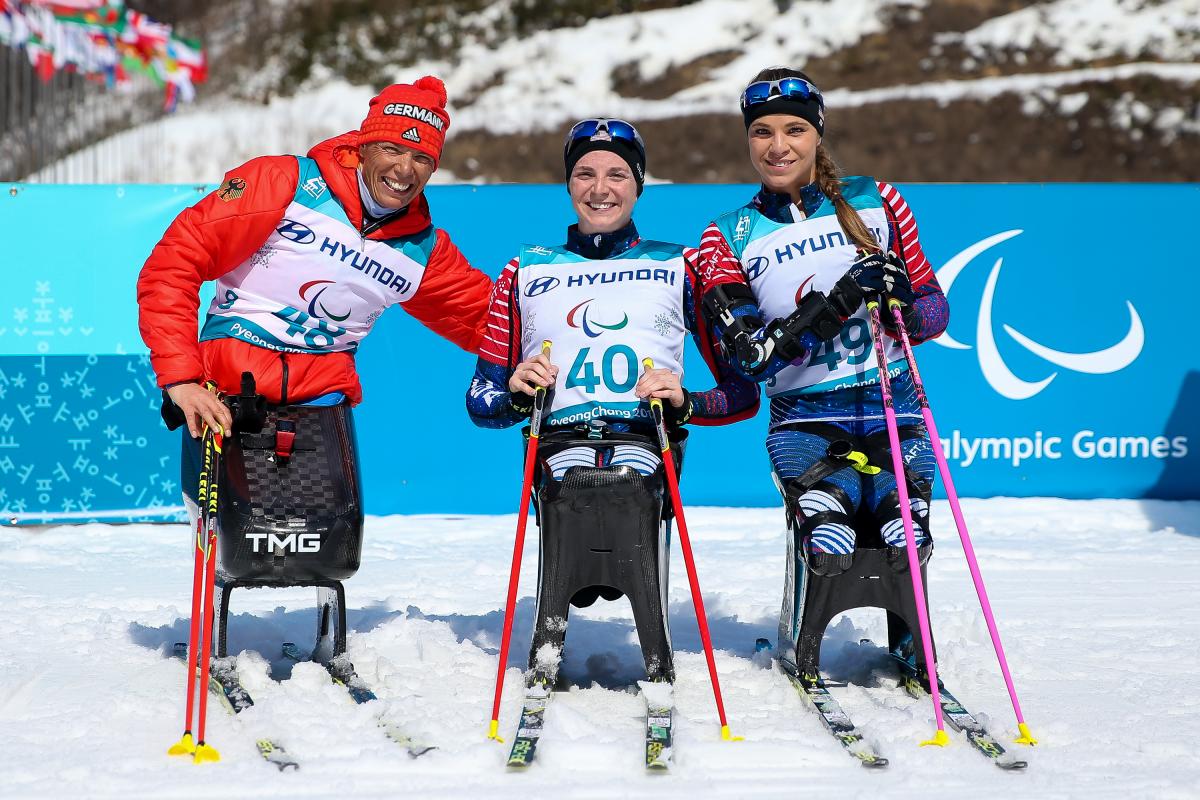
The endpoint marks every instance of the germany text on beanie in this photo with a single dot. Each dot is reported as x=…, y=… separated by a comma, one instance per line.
x=413, y=115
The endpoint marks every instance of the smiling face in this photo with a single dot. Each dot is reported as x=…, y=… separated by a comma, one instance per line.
x=783, y=149
x=603, y=191
x=394, y=174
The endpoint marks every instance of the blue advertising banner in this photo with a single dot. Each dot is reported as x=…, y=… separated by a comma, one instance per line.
x=1066, y=370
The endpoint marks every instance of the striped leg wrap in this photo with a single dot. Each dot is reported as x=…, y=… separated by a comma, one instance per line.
x=622, y=455
x=824, y=530
x=631, y=455
x=892, y=530
x=563, y=460
x=836, y=538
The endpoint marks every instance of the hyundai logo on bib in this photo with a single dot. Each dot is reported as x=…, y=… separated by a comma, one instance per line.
x=296, y=232
x=541, y=285
x=757, y=266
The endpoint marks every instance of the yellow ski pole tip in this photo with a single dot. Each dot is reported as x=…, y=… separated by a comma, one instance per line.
x=940, y=739
x=729, y=737
x=494, y=731
x=206, y=753
x=184, y=747
x=1026, y=737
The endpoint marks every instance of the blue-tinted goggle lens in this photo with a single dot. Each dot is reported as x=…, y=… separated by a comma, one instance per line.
x=616, y=128
x=792, y=88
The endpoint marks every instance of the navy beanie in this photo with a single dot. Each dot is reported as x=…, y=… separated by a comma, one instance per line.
x=633, y=155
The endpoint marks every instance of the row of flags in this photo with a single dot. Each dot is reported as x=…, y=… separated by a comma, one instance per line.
x=105, y=41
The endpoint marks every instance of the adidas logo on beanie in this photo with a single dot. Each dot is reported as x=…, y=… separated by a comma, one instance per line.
x=410, y=114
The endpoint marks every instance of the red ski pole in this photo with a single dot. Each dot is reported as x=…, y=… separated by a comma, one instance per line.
x=212, y=461
x=186, y=745
x=510, y=606
x=664, y=444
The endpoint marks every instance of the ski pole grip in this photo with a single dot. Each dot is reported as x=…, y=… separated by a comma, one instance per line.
x=541, y=390
x=648, y=364
x=546, y=352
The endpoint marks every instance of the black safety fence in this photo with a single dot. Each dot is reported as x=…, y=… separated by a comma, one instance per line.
x=61, y=128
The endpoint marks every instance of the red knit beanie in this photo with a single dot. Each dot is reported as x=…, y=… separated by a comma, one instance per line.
x=413, y=115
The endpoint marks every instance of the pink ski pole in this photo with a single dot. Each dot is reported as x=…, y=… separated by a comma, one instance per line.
x=914, y=567
x=956, y=509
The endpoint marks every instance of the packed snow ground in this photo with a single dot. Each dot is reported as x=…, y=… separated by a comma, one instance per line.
x=1096, y=600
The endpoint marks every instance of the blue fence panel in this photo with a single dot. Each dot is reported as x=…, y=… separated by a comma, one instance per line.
x=1066, y=370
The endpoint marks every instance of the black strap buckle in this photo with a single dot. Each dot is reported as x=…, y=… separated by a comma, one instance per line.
x=249, y=408
x=839, y=449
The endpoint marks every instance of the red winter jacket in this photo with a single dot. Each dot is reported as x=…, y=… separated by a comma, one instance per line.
x=220, y=232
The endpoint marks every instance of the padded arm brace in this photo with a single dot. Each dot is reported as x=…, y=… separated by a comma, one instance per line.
x=814, y=319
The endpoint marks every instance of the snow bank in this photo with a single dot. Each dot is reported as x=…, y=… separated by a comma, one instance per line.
x=1083, y=31
x=545, y=80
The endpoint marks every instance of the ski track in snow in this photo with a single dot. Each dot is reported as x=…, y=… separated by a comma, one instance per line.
x=1096, y=601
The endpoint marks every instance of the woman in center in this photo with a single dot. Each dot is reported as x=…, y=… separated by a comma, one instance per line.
x=606, y=299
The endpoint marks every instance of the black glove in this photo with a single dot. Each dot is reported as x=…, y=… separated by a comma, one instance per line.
x=875, y=273
x=521, y=403
x=172, y=414
x=682, y=415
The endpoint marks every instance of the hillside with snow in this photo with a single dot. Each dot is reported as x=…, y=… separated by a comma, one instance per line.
x=918, y=90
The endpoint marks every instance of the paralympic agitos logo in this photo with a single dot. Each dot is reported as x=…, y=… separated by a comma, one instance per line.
x=315, y=304
x=590, y=327
x=995, y=371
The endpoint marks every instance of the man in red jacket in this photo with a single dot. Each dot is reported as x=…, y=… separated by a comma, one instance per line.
x=307, y=253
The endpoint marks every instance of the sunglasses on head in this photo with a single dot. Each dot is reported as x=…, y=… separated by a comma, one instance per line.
x=603, y=130
x=791, y=88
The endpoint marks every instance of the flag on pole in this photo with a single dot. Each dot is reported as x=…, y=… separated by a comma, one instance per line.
x=190, y=56
x=103, y=40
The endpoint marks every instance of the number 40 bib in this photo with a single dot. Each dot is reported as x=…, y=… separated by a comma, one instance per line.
x=604, y=317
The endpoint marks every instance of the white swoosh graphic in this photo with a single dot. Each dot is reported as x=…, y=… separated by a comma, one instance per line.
x=1115, y=358
x=994, y=369
x=948, y=273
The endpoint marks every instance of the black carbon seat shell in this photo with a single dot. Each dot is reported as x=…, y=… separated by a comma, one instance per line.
x=313, y=496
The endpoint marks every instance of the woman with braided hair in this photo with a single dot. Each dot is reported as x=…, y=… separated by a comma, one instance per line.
x=785, y=282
